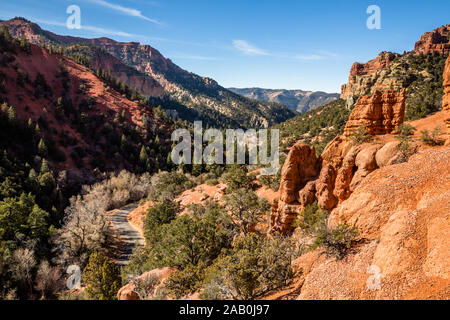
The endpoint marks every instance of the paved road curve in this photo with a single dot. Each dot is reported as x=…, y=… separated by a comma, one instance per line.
x=128, y=233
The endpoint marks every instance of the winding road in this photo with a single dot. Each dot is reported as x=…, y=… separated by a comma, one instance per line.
x=128, y=233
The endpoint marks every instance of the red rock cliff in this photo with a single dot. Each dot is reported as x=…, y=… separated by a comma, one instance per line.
x=446, y=97
x=380, y=113
x=383, y=60
x=437, y=40
x=332, y=178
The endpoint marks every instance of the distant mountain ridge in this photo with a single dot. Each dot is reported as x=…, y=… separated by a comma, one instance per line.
x=297, y=100
x=146, y=69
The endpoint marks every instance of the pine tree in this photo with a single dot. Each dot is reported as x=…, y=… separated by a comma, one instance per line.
x=123, y=143
x=143, y=157
x=37, y=130
x=11, y=114
x=102, y=278
x=42, y=148
x=44, y=167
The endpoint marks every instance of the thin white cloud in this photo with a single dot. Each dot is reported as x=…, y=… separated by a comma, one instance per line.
x=309, y=57
x=248, y=49
x=127, y=11
x=96, y=30
x=322, y=55
x=193, y=57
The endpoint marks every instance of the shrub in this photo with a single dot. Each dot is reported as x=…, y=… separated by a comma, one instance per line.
x=192, y=239
x=168, y=185
x=433, y=138
x=185, y=282
x=102, y=278
x=406, y=131
x=336, y=241
x=236, y=178
x=255, y=266
x=246, y=209
x=360, y=136
x=311, y=219
x=157, y=216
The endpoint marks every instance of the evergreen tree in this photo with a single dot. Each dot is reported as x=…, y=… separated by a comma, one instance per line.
x=44, y=167
x=12, y=114
x=42, y=148
x=143, y=157
x=102, y=278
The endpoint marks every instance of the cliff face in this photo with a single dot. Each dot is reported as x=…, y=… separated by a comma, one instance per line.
x=365, y=75
x=379, y=113
x=437, y=40
x=383, y=60
x=333, y=177
x=446, y=98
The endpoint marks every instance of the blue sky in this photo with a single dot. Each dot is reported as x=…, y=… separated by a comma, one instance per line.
x=287, y=44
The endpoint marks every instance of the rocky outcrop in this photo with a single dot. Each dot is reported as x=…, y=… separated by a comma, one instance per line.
x=306, y=179
x=446, y=97
x=345, y=174
x=387, y=154
x=332, y=178
x=391, y=70
x=402, y=213
x=372, y=66
x=324, y=187
x=300, y=167
x=380, y=113
x=437, y=40
x=149, y=283
x=363, y=76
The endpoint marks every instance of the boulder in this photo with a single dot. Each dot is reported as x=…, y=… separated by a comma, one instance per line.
x=366, y=163
x=386, y=155
x=307, y=195
x=128, y=292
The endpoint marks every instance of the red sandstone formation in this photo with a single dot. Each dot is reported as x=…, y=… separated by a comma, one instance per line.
x=437, y=40
x=301, y=167
x=446, y=97
x=372, y=66
x=379, y=113
x=342, y=167
x=366, y=78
